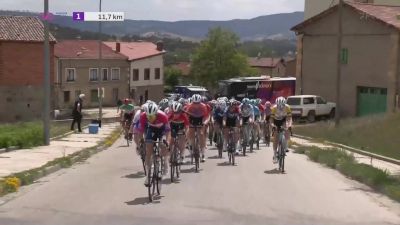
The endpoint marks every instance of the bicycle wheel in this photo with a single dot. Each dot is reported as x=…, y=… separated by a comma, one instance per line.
x=281, y=159
x=178, y=165
x=196, y=154
x=159, y=172
x=172, y=165
x=150, y=185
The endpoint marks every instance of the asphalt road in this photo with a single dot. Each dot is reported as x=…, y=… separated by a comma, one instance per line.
x=108, y=189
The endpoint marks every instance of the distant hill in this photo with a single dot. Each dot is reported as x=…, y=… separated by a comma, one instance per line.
x=275, y=26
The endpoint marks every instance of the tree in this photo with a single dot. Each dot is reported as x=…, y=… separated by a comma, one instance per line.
x=172, y=76
x=218, y=58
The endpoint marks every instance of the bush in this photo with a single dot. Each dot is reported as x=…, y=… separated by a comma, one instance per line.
x=23, y=135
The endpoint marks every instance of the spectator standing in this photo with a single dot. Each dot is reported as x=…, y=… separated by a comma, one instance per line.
x=77, y=113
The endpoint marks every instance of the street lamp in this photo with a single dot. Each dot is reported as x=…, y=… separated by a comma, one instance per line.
x=46, y=82
x=100, y=92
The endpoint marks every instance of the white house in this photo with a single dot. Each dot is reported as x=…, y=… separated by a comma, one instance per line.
x=146, y=68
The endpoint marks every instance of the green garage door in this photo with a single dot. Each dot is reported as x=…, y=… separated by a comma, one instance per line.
x=371, y=101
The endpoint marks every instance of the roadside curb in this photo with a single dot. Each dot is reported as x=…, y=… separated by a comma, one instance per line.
x=355, y=150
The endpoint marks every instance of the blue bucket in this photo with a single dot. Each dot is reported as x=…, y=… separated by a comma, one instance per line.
x=93, y=128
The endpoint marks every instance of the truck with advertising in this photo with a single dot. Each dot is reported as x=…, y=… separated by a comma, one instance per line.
x=264, y=87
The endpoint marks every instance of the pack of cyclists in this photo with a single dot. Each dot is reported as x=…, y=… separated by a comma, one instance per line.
x=179, y=121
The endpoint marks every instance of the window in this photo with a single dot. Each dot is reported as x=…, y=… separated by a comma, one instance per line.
x=308, y=101
x=344, y=56
x=293, y=101
x=146, y=95
x=320, y=100
x=104, y=74
x=115, y=74
x=115, y=94
x=135, y=75
x=93, y=74
x=157, y=72
x=147, y=74
x=66, y=96
x=70, y=74
x=77, y=93
x=94, y=95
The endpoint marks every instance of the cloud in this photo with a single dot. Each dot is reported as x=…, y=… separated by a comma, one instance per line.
x=169, y=10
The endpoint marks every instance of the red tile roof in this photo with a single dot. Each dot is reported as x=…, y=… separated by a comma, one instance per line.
x=263, y=62
x=22, y=28
x=383, y=13
x=184, y=67
x=84, y=49
x=136, y=50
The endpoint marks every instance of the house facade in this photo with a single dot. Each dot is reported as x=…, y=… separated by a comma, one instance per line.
x=22, y=68
x=146, y=65
x=79, y=71
x=370, y=58
x=314, y=7
x=274, y=67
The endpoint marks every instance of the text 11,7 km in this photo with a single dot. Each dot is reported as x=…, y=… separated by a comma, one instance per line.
x=98, y=16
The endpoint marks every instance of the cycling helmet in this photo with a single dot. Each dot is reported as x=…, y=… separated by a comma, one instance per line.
x=258, y=101
x=151, y=109
x=222, y=104
x=127, y=101
x=176, y=106
x=149, y=101
x=144, y=107
x=246, y=101
x=163, y=102
x=280, y=102
x=204, y=99
x=268, y=104
x=190, y=100
x=182, y=101
x=196, y=98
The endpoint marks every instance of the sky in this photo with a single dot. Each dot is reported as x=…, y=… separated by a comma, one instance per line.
x=165, y=10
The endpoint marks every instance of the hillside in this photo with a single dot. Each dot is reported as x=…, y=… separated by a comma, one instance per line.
x=275, y=26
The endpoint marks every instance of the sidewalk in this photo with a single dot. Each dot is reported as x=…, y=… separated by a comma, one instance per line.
x=393, y=169
x=26, y=159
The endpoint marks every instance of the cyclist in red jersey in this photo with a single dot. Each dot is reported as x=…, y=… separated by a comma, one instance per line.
x=155, y=123
x=179, y=122
x=198, y=116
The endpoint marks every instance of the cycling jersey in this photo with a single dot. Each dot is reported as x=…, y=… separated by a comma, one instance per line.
x=161, y=118
x=178, y=122
x=218, y=115
x=281, y=114
x=256, y=111
x=232, y=116
x=262, y=108
x=246, y=110
x=197, y=110
x=129, y=108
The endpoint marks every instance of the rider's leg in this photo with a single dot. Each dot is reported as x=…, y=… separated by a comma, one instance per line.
x=165, y=155
x=182, y=142
x=203, y=141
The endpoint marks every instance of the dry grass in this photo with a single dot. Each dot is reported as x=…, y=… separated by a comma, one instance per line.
x=376, y=134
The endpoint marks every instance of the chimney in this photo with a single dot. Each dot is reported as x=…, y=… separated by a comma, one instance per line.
x=117, y=47
x=160, y=46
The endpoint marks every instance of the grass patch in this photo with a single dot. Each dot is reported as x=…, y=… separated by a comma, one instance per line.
x=377, y=179
x=30, y=134
x=375, y=134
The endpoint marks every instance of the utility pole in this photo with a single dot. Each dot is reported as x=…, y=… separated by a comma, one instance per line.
x=100, y=93
x=46, y=83
x=339, y=62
